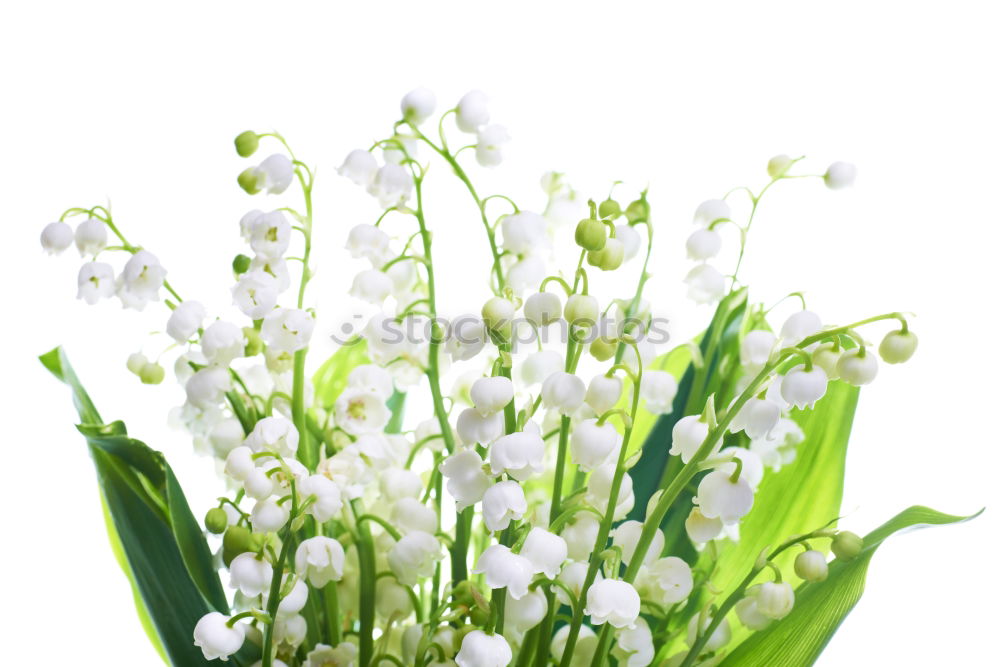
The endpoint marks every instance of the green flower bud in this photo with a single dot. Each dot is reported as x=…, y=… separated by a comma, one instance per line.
x=241, y=264
x=498, y=314
x=255, y=345
x=581, y=310
x=248, y=181
x=811, y=565
x=898, y=346
x=246, y=143
x=234, y=542
x=479, y=617
x=590, y=234
x=151, y=373
x=608, y=258
x=637, y=210
x=609, y=209
x=136, y=362
x=826, y=357
x=778, y=165
x=846, y=545
x=603, y=348
x=216, y=520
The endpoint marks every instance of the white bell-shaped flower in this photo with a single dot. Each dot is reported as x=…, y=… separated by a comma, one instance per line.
x=288, y=329
x=95, y=281
x=482, y=650
x=239, y=463
x=490, y=394
x=56, y=237
x=256, y=294
x=629, y=238
x=775, y=599
x=216, y=639
x=274, y=434
x=269, y=233
x=527, y=273
x=634, y=646
x=612, y=601
x=267, y=516
x=359, y=412
x=811, y=565
x=582, y=310
x=249, y=574
x=225, y=435
x=468, y=337
x=466, y=480
x=626, y=536
x=474, y=428
x=672, y=578
x=367, y=241
x=858, y=366
x=489, y=145
x=757, y=418
x=185, y=320
x=418, y=105
x=207, y=387
x=803, y=388
x=703, y=244
x=91, y=237
x=472, y=112
x=711, y=210
x=505, y=569
x=798, y=326
x=359, y=166
x=527, y=612
x=275, y=173
x=719, y=496
x=563, y=392
x=523, y=232
x=543, y=308
x=840, y=175
x=396, y=483
x=603, y=393
x=705, y=284
x=328, y=499
x=409, y=514
x=391, y=599
x=538, y=366
x=573, y=576
x=320, y=560
x=898, y=346
x=756, y=346
x=546, y=551
x=688, y=435
x=503, y=502
x=751, y=465
x=658, y=388
x=371, y=285
x=518, y=454
x=413, y=557
x=392, y=185
x=591, y=444
x=746, y=610
x=599, y=491
x=580, y=535
x=583, y=652
x=140, y=280
x=720, y=637
x=344, y=653
x=700, y=528
x=222, y=342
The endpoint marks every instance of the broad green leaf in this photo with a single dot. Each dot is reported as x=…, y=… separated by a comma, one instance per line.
x=331, y=378
x=152, y=531
x=798, y=639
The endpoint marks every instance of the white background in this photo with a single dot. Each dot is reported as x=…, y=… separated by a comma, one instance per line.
x=138, y=105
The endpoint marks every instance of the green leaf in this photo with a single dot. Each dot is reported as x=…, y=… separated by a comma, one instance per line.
x=801, y=497
x=331, y=378
x=152, y=531
x=820, y=608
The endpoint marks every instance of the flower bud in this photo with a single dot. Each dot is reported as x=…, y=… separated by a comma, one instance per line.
x=775, y=599
x=603, y=392
x=857, y=366
x=235, y=541
x=246, y=143
x=216, y=521
x=608, y=258
x=591, y=234
x=543, y=308
x=490, y=394
x=472, y=111
x=826, y=357
x=417, y=105
x=609, y=209
x=498, y=314
x=185, y=320
x=603, y=348
x=898, y=346
x=703, y=244
x=591, y=444
x=151, y=373
x=254, y=343
x=136, y=362
x=56, y=237
x=241, y=264
x=811, y=565
x=846, y=545
x=250, y=181
x=637, y=210
x=778, y=165
x=581, y=310
x=840, y=175
x=563, y=392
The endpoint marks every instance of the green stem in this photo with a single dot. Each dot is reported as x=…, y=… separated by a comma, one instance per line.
x=366, y=585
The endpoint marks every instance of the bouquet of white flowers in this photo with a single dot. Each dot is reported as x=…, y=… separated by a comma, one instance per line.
x=583, y=495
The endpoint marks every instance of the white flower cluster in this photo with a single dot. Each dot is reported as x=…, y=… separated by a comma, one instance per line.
x=341, y=524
